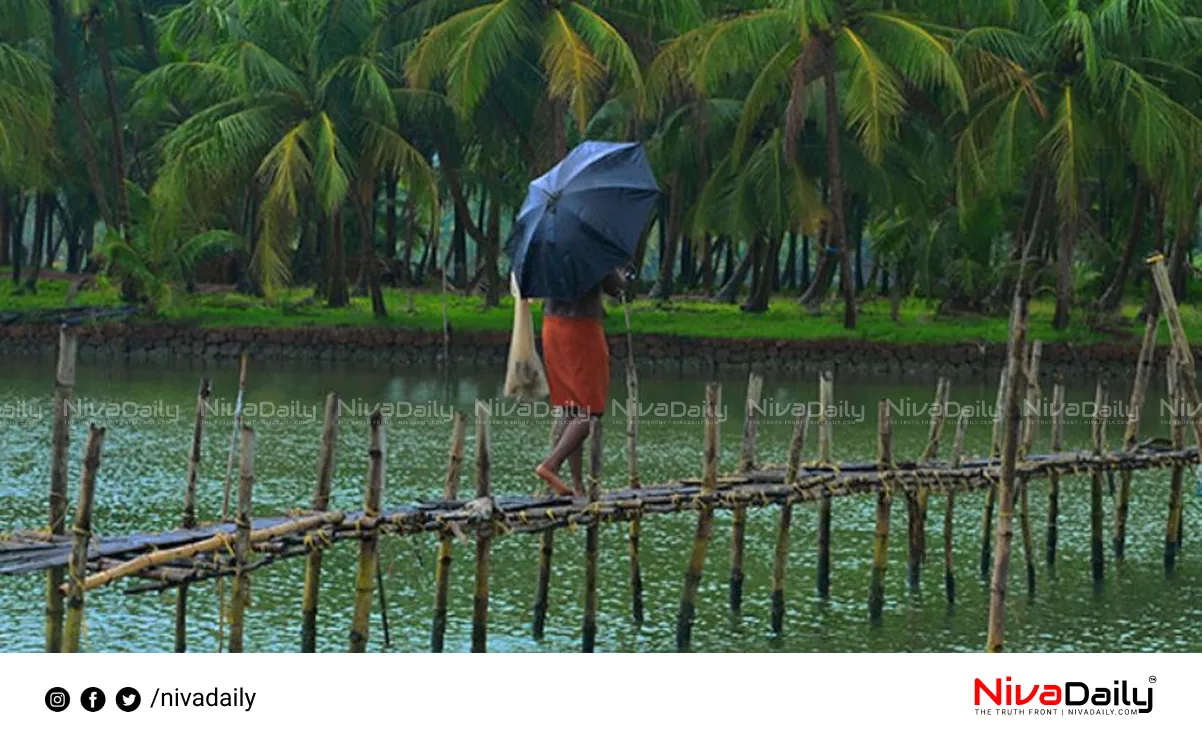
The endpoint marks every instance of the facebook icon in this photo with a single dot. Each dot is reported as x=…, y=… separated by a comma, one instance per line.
x=92, y=699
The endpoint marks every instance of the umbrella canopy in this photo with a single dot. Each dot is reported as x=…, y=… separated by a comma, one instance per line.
x=582, y=219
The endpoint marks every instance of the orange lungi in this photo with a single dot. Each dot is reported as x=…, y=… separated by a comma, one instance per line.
x=576, y=356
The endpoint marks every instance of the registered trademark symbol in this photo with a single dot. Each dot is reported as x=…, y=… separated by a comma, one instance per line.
x=1151, y=679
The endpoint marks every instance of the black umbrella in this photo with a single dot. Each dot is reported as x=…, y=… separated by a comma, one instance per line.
x=582, y=219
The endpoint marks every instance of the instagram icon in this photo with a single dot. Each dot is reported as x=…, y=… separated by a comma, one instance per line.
x=57, y=699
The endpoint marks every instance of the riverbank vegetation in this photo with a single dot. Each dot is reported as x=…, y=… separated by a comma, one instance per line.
x=917, y=321
x=869, y=169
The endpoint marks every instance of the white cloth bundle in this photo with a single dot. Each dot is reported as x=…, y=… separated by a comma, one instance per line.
x=525, y=378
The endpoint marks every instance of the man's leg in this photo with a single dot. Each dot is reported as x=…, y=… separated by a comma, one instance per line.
x=569, y=445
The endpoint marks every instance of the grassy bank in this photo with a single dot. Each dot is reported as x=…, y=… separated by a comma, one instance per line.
x=784, y=320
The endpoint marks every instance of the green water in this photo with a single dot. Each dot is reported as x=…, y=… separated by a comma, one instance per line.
x=141, y=485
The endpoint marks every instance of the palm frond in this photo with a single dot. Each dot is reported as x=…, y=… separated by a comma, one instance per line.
x=874, y=99
x=573, y=73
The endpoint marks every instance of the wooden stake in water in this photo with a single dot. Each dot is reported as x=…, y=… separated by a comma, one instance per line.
x=632, y=476
x=1143, y=372
x=781, y=554
x=884, y=505
x=1187, y=378
x=591, y=536
x=949, y=572
x=81, y=533
x=442, y=569
x=1172, y=536
x=321, y=502
x=225, y=489
x=738, y=518
x=1028, y=438
x=705, y=521
x=189, y=517
x=64, y=387
x=485, y=533
x=1058, y=404
x=369, y=541
x=916, y=507
x=242, y=523
x=991, y=493
x=826, y=395
x=1097, y=558
x=1006, y=483
x=546, y=551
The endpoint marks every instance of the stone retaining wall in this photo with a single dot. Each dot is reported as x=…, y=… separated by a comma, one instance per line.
x=138, y=343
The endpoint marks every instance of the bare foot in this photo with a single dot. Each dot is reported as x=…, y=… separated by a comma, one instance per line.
x=559, y=487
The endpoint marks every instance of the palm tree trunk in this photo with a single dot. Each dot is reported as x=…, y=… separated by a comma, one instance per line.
x=41, y=206
x=66, y=79
x=410, y=231
x=730, y=290
x=492, y=250
x=96, y=21
x=805, y=263
x=458, y=250
x=789, y=280
x=664, y=284
x=336, y=293
x=761, y=291
x=367, y=249
x=1064, y=272
x=1113, y=296
x=815, y=293
x=390, y=231
x=834, y=167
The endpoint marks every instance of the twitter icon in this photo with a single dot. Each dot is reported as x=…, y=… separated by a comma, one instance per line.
x=128, y=699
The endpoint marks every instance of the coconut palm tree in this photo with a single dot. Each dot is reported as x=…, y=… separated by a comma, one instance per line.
x=300, y=112
x=870, y=60
x=1075, y=93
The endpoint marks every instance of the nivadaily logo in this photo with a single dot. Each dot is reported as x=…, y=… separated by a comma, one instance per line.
x=1070, y=697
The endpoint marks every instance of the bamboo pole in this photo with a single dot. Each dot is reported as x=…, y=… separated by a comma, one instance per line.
x=705, y=520
x=442, y=569
x=188, y=521
x=738, y=517
x=321, y=503
x=64, y=388
x=229, y=462
x=991, y=493
x=1187, y=379
x=225, y=488
x=1097, y=558
x=218, y=542
x=242, y=541
x=1028, y=438
x=1006, y=485
x=484, y=535
x=591, y=535
x=1172, y=537
x=81, y=533
x=546, y=551
x=949, y=572
x=780, y=556
x=369, y=542
x=632, y=470
x=1143, y=371
x=916, y=506
x=1058, y=403
x=884, y=505
x=826, y=393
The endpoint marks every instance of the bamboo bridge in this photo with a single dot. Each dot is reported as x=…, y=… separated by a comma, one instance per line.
x=240, y=543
